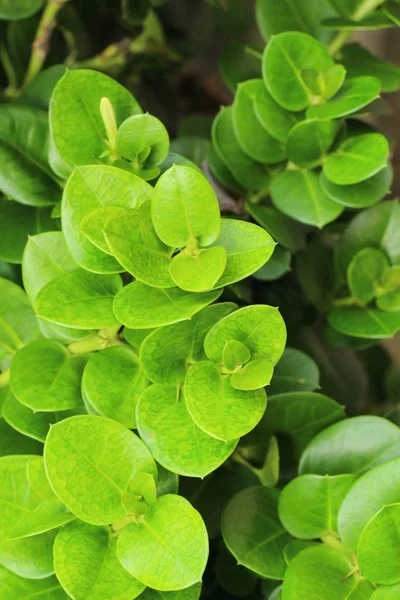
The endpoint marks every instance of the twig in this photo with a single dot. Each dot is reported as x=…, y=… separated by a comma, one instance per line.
x=41, y=43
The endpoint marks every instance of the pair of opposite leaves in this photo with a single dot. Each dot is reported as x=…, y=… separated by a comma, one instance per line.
x=261, y=128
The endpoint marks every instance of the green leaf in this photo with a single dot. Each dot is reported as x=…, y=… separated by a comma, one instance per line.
x=276, y=120
x=237, y=64
x=173, y=438
x=376, y=227
x=252, y=531
x=198, y=272
x=277, y=16
x=18, y=325
x=248, y=248
x=370, y=493
x=90, y=188
x=350, y=8
x=25, y=174
x=332, y=577
x=24, y=513
x=38, y=92
x=80, y=300
x=354, y=445
x=295, y=547
x=369, y=323
x=359, y=61
x=389, y=302
x=17, y=588
x=286, y=59
x=25, y=420
x=231, y=577
x=249, y=174
x=12, y=442
x=309, y=141
x=87, y=566
x=255, y=140
x=330, y=82
x=143, y=135
x=298, y=194
x=168, y=549
x=391, y=10
x=372, y=22
x=19, y=9
x=139, y=306
x=17, y=222
x=315, y=271
x=193, y=148
x=112, y=383
x=191, y=593
x=166, y=352
x=295, y=372
x=356, y=93
x=30, y=557
x=260, y=327
x=364, y=273
x=390, y=592
x=131, y=237
x=217, y=408
x=309, y=505
x=360, y=195
x=382, y=532
x=75, y=114
x=287, y=232
x=299, y=414
x=235, y=354
x=90, y=461
x=357, y=159
x=276, y=267
x=45, y=377
x=252, y=376
x=185, y=208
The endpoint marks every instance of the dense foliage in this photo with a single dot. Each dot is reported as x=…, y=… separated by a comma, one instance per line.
x=141, y=331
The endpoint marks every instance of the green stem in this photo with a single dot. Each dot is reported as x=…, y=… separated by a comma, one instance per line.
x=40, y=47
x=9, y=71
x=331, y=540
x=347, y=301
x=4, y=378
x=338, y=42
x=253, y=52
x=98, y=341
x=364, y=9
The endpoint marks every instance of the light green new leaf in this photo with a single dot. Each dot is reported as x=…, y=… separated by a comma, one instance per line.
x=90, y=461
x=287, y=57
x=249, y=174
x=165, y=353
x=75, y=114
x=80, y=300
x=309, y=505
x=357, y=159
x=255, y=140
x=386, y=592
x=235, y=354
x=376, y=227
x=184, y=208
x=353, y=96
x=23, y=511
x=365, y=271
x=17, y=223
x=90, y=188
x=112, y=383
x=248, y=248
x=320, y=569
x=168, y=549
x=287, y=232
x=173, y=438
x=354, y=445
x=295, y=372
x=139, y=306
x=17, y=588
x=298, y=194
x=253, y=375
x=378, y=546
x=191, y=593
x=25, y=174
x=87, y=566
x=252, y=531
x=359, y=61
x=259, y=327
x=369, y=323
x=369, y=494
x=45, y=377
x=33, y=424
x=299, y=414
x=309, y=141
x=18, y=324
x=389, y=302
x=217, y=408
x=360, y=195
x=131, y=237
x=200, y=271
x=19, y=9
x=30, y=557
x=143, y=138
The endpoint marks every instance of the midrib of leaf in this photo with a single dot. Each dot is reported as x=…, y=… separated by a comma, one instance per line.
x=295, y=70
x=375, y=318
x=87, y=110
x=182, y=202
